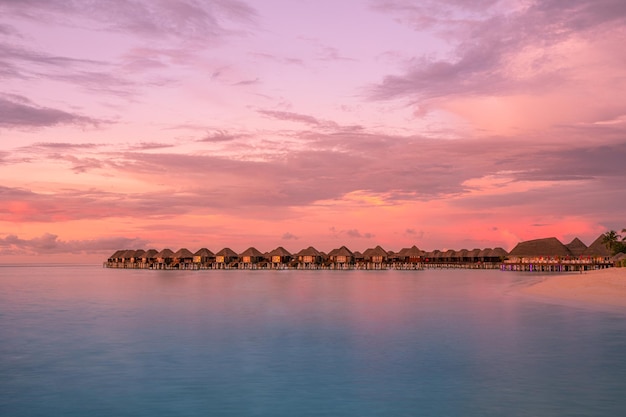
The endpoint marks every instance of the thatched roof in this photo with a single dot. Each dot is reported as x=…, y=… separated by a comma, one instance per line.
x=140, y=253
x=412, y=252
x=377, y=251
x=279, y=251
x=227, y=253
x=450, y=253
x=205, y=253
x=498, y=253
x=117, y=254
x=183, y=253
x=619, y=256
x=130, y=253
x=358, y=255
x=252, y=252
x=576, y=246
x=165, y=253
x=474, y=253
x=597, y=248
x=150, y=254
x=310, y=251
x=436, y=254
x=342, y=251
x=550, y=246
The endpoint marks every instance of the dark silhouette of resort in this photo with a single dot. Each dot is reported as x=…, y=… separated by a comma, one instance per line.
x=547, y=254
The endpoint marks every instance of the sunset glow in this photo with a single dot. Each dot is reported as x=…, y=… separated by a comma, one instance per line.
x=132, y=124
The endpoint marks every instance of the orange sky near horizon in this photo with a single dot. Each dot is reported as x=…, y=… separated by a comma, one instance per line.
x=441, y=124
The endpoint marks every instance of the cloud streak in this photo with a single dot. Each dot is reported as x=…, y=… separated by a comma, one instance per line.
x=396, y=122
x=50, y=244
x=19, y=112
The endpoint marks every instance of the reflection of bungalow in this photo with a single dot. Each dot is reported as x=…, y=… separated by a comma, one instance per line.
x=183, y=259
x=203, y=257
x=249, y=257
x=341, y=257
x=309, y=257
x=164, y=258
x=375, y=255
x=279, y=256
x=225, y=257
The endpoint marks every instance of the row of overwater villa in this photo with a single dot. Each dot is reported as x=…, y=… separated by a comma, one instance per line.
x=309, y=258
x=547, y=254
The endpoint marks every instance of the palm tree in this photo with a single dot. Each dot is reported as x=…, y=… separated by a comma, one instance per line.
x=610, y=240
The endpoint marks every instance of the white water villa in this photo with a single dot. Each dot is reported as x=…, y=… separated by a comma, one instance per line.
x=546, y=255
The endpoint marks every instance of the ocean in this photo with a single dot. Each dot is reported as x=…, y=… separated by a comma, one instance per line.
x=89, y=341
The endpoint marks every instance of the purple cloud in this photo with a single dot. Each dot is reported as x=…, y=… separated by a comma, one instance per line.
x=51, y=244
x=290, y=117
x=289, y=236
x=219, y=136
x=483, y=46
x=184, y=19
x=19, y=112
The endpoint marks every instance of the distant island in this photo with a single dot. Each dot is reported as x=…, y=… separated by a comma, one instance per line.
x=547, y=254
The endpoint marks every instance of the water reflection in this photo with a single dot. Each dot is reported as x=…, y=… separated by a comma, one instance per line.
x=85, y=341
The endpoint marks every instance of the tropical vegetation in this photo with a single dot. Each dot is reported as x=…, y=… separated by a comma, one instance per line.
x=615, y=242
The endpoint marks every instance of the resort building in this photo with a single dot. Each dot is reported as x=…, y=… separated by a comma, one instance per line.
x=550, y=255
x=547, y=254
x=309, y=258
x=279, y=258
x=249, y=258
x=225, y=257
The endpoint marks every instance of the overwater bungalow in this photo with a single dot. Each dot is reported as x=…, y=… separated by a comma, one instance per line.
x=473, y=255
x=183, y=259
x=358, y=257
x=374, y=258
x=341, y=258
x=549, y=254
x=309, y=258
x=164, y=259
x=116, y=256
x=149, y=258
x=203, y=258
x=250, y=258
x=279, y=258
x=413, y=255
x=225, y=257
x=497, y=254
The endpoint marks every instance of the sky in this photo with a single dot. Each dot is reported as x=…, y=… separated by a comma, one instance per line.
x=445, y=124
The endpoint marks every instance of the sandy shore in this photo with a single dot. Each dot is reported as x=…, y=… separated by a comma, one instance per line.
x=604, y=288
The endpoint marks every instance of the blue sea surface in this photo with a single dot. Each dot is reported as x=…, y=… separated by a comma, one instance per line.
x=88, y=341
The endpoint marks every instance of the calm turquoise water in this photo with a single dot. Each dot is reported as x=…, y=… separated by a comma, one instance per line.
x=86, y=341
